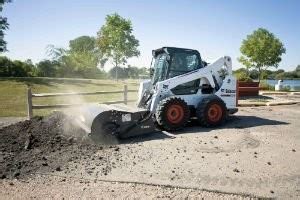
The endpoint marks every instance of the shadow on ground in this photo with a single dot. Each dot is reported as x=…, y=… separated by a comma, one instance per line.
x=250, y=121
x=233, y=122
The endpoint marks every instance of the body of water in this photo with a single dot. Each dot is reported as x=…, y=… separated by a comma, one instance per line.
x=293, y=84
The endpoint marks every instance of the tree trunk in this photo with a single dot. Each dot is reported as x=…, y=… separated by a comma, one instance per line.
x=259, y=74
x=9, y=70
x=116, y=64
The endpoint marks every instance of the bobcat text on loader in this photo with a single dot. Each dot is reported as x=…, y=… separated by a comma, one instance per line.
x=182, y=87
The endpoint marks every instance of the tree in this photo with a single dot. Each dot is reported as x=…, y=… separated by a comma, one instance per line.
x=280, y=76
x=84, y=54
x=253, y=74
x=242, y=74
x=83, y=44
x=122, y=73
x=15, y=68
x=47, y=68
x=116, y=41
x=5, y=66
x=81, y=59
x=261, y=50
x=297, y=71
x=3, y=26
x=128, y=72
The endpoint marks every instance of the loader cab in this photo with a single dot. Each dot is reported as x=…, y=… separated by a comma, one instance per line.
x=169, y=62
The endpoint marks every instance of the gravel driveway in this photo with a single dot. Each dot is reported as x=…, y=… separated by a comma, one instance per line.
x=256, y=154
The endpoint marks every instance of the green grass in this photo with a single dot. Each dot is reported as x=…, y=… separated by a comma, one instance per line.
x=13, y=93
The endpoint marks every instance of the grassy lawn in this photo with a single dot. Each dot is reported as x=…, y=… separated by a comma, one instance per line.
x=13, y=93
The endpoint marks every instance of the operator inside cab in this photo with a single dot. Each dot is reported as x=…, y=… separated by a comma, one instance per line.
x=182, y=63
x=177, y=67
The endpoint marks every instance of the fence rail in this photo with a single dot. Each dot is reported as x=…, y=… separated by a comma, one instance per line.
x=31, y=95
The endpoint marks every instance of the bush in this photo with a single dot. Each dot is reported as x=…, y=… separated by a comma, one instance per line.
x=243, y=76
x=16, y=68
x=286, y=88
x=265, y=86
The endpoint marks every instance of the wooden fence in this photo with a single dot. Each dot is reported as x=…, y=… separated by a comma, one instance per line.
x=31, y=95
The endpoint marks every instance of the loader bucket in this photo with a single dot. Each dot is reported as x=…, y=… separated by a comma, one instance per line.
x=110, y=123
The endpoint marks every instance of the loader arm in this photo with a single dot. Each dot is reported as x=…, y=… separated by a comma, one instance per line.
x=211, y=73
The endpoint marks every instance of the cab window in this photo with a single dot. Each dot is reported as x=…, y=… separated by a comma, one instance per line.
x=182, y=63
x=160, y=67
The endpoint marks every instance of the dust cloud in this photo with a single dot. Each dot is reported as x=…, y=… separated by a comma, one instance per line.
x=79, y=117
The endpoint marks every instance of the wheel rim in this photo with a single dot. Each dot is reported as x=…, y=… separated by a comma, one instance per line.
x=215, y=112
x=175, y=114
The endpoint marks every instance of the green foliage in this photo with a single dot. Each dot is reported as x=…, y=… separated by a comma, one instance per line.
x=83, y=53
x=116, y=41
x=16, y=68
x=81, y=59
x=286, y=88
x=265, y=86
x=297, y=71
x=5, y=66
x=253, y=74
x=129, y=72
x=3, y=27
x=85, y=57
x=242, y=74
x=83, y=44
x=261, y=50
x=47, y=68
x=281, y=74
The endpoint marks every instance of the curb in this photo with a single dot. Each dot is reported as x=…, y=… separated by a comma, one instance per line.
x=282, y=103
x=295, y=93
x=279, y=93
x=251, y=104
x=268, y=104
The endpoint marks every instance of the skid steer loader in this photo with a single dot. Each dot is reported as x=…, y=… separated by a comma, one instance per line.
x=182, y=87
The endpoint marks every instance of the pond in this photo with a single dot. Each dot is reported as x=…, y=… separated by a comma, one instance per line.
x=293, y=84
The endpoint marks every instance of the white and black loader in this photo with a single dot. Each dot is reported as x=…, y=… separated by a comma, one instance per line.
x=182, y=88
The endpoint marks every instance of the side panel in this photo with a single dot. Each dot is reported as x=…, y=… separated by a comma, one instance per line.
x=228, y=92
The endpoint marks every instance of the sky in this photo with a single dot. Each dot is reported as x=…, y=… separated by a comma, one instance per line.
x=214, y=27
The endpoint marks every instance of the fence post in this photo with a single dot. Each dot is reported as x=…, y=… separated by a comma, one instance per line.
x=237, y=93
x=29, y=103
x=125, y=94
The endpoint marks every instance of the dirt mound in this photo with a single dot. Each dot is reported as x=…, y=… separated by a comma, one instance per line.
x=42, y=145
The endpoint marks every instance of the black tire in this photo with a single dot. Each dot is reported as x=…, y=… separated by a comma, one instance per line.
x=172, y=114
x=211, y=111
